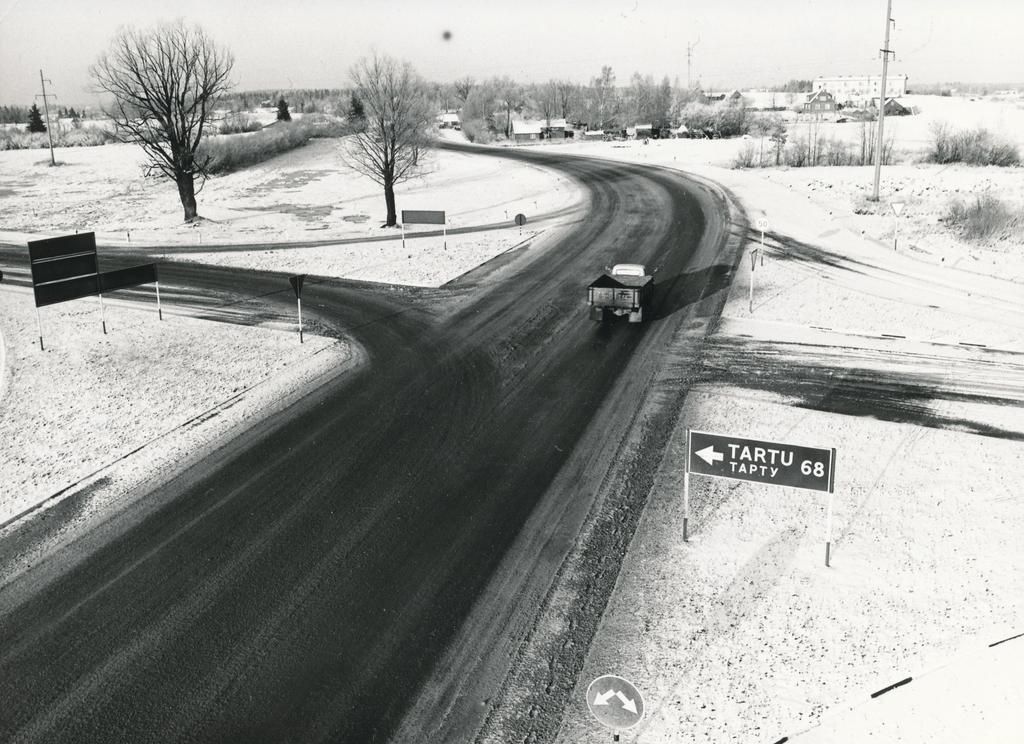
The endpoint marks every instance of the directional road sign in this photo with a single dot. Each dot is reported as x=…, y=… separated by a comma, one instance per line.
x=520, y=219
x=422, y=217
x=763, y=462
x=615, y=702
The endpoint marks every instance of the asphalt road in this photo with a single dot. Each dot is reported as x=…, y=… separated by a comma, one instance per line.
x=300, y=583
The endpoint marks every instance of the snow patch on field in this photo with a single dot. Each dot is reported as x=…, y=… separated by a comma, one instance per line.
x=73, y=411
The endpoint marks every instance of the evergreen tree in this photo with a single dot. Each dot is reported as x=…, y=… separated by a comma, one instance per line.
x=35, y=120
x=282, y=111
x=355, y=109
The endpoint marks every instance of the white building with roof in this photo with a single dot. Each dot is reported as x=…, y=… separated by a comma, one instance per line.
x=858, y=90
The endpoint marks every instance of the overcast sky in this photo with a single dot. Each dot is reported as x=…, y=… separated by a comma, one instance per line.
x=313, y=43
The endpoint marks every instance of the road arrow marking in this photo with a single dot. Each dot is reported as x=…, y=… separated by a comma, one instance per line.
x=627, y=703
x=709, y=455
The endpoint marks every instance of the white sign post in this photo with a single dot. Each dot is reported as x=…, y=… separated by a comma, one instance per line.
x=753, y=260
x=897, y=208
x=762, y=224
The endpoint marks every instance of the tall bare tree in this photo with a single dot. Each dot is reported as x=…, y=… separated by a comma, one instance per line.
x=398, y=114
x=463, y=87
x=511, y=97
x=165, y=82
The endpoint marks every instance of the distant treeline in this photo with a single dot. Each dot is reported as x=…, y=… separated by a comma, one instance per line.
x=302, y=100
x=20, y=114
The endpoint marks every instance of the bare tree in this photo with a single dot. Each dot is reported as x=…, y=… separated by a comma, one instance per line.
x=511, y=97
x=398, y=113
x=165, y=82
x=463, y=87
x=567, y=93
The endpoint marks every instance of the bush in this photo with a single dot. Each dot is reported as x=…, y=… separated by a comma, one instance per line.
x=972, y=146
x=746, y=157
x=15, y=139
x=239, y=124
x=476, y=130
x=236, y=151
x=986, y=217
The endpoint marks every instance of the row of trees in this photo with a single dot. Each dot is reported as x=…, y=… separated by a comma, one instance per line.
x=165, y=83
x=602, y=104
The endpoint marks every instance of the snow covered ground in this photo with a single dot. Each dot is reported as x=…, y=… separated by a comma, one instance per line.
x=307, y=195
x=70, y=417
x=911, y=363
x=104, y=412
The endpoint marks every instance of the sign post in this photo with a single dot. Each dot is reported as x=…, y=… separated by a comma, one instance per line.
x=159, y=309
x=773, y=463
x=520, y=220
x=897, y=208
x=762, y=224
x=753, y=260
x=424, y=217
x=296, y=282
x=615, y=702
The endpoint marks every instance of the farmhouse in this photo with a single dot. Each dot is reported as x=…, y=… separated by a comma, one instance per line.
x=449, y=120
x=553, y=129
x=856, y=91
x=525, y=131
x=820, y=102
x=892, y=107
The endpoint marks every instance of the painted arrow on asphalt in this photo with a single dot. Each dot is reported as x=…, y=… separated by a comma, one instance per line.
x=604, y=697
x=709, y=455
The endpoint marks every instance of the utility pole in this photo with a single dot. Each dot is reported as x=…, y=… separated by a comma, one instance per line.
x=689, y=56
x=886, y=51
x=46, y=108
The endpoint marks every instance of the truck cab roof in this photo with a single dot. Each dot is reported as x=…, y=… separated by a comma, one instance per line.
x=629, y=270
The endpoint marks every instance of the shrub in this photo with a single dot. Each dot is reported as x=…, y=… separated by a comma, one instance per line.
x=972, y=146
x=986, y=217
x=236, y=151
x=476, y=130
x=238, y=124
x=15, y=139
x=746, y=157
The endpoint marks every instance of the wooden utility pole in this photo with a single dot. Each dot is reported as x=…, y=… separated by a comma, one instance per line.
x=881, y=100
x=46, y=108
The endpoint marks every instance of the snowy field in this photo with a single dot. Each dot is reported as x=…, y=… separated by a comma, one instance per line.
x=307, y=195
x=74, y=417
x=742, y=634
x=68, y=416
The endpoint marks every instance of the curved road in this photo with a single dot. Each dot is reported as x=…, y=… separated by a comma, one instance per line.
x=300, y=583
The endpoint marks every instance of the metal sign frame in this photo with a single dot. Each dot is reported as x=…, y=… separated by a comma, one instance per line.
x=425, y=217
x=828, y=486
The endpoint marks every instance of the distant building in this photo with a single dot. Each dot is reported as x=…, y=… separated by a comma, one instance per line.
x=892, y=107
x=856, y=91
x=553, y=128
x=525, y=131
x=449, y=120
x=820, y=102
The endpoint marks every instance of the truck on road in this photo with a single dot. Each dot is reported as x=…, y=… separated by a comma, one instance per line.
x=625, y=290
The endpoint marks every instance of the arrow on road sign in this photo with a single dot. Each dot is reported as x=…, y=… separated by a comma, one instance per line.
x=709, y=455
x=604, y=697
